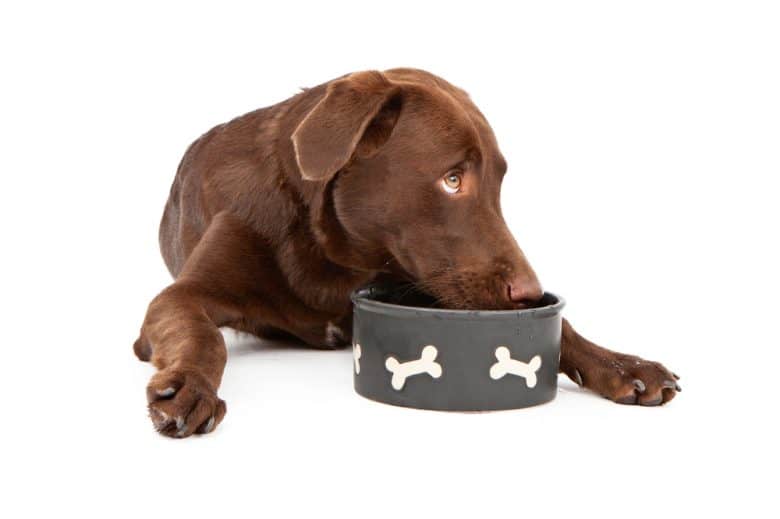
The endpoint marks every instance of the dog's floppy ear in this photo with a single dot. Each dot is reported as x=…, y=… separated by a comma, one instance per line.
x=356, y=117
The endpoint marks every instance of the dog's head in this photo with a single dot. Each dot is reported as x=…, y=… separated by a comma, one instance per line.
x=410, y=175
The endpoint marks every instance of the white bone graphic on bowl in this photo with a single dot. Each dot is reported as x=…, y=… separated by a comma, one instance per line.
x=357, y=352
x=506, y=364
x=425, y=364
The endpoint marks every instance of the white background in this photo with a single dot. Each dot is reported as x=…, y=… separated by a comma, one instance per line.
x=643, y=142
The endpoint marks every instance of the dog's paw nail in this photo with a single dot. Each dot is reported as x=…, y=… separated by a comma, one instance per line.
x=159, y=419
x=165, y=393
x=676, y=376
x=577, y=377
x=209, y=425
x=677, y=388
x=639, y=385
x=650, y=403
x=669, y=384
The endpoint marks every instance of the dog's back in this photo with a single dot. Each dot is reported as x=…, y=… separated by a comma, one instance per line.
x=220, y=170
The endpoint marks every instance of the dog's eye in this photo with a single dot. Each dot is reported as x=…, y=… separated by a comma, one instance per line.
x=452, y=181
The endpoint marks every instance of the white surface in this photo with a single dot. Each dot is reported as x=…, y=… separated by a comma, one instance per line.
x=643, y=148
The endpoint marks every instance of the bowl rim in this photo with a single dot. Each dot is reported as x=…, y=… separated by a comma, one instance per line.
x=361, y=299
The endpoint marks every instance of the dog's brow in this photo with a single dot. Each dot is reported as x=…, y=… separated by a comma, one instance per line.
x=502, y=165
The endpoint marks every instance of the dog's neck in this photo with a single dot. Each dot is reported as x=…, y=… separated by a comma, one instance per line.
x=314, y=277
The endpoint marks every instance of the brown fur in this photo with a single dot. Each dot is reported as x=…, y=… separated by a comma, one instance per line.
x=275, y=217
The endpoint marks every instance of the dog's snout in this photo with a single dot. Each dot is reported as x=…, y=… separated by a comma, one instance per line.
x=524, y=289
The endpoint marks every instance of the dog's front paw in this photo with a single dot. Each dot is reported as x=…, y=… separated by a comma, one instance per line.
x=627, y=379
x=183, y=402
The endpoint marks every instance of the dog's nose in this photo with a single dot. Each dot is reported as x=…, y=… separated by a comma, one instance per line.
x=524, y=289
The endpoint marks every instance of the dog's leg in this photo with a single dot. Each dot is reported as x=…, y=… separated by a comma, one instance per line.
x=625, y=379
x=180, y=334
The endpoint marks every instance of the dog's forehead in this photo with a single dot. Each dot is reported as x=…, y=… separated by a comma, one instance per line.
x=446, y=112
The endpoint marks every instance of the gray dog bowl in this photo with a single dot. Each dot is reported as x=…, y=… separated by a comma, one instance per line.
x=411, y=354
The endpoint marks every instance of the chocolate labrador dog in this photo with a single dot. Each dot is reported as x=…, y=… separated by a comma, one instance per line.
x=275, y=217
